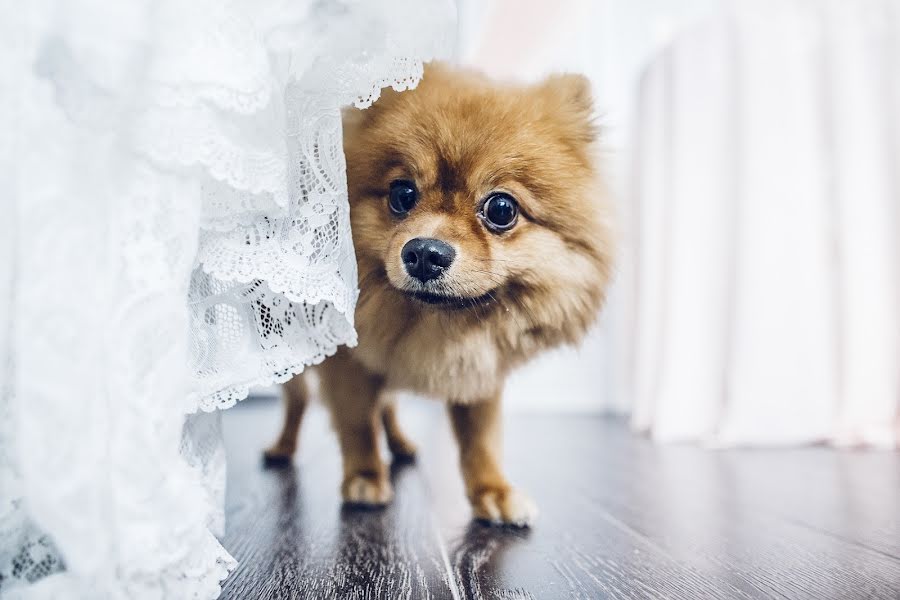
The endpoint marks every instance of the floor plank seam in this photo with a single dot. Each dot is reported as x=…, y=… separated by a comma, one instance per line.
x=445, y=557
x=842, y=538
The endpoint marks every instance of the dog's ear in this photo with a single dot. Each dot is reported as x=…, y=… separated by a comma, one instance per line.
x=352, y=118
x=570, y=90
x=568, y=96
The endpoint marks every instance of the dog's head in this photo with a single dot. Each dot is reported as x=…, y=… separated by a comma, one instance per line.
x=466, y=193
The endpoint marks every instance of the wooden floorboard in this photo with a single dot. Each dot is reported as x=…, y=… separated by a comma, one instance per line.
x=620, y=518
x=287, y=529
x=742, y=516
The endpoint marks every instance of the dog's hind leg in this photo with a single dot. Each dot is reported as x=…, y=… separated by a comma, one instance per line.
x=352, y=395
x=296, y=397
x=402, y=448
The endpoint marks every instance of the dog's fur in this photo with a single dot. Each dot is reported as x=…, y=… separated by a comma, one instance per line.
x=458, y=137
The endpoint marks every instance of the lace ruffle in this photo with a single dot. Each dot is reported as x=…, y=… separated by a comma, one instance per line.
x=179, y=232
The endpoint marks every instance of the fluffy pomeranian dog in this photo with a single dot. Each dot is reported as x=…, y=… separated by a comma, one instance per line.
x=481, y=235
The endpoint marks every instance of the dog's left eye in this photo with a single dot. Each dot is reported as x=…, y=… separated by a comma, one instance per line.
x=500, y=212
x=403, y=197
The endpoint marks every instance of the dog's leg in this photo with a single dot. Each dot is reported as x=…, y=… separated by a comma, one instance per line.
x=477, y=429
x=401, y=446
x=296, y=397
x=351, y=394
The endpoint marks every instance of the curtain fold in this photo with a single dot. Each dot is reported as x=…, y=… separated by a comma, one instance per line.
x=765, y=220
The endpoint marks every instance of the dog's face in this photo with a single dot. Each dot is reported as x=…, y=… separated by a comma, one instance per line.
x=466, y=193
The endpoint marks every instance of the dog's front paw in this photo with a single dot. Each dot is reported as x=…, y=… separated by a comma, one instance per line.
x=367, y=490
x=504, y=506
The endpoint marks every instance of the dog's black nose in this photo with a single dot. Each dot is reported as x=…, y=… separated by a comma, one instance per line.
x=426, y=258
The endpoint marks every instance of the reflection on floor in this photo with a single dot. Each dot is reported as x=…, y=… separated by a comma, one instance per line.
x=620, y=518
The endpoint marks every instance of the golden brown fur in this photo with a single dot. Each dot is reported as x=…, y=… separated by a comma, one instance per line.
x=458, y=137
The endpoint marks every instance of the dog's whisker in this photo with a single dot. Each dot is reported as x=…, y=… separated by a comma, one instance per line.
x=515, y=314
x=485, y=272
x=527, y=312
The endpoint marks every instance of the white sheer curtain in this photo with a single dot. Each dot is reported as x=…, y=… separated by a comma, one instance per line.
x=174, y=229
x=764, y=226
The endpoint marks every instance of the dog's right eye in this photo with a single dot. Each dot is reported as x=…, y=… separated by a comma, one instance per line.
x=403, y=197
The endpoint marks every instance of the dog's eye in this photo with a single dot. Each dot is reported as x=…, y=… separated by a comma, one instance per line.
x=500, y=212
x=403, y=197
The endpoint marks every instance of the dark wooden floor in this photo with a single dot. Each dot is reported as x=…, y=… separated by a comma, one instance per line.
x=620, y=518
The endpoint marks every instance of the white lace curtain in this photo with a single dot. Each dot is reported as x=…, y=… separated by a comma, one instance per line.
x=765, y=219
x=173, y=229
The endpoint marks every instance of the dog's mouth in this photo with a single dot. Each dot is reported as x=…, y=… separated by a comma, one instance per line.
x=449, y=301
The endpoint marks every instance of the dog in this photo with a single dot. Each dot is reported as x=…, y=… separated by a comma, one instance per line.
x=482, y=237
